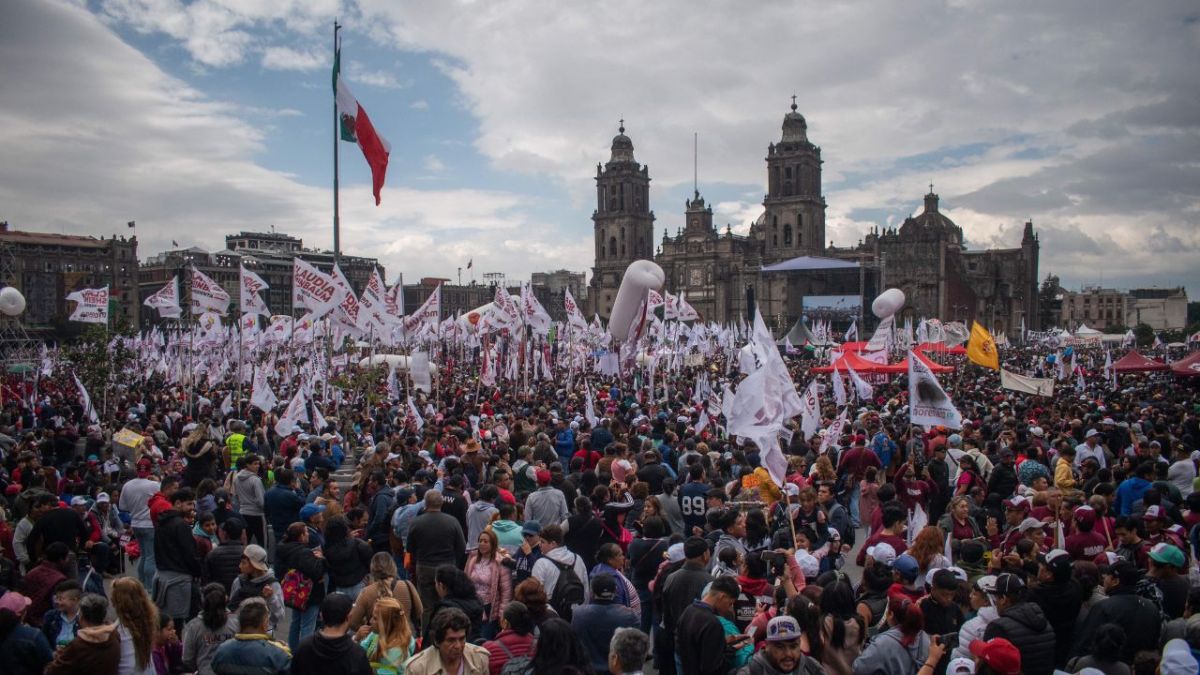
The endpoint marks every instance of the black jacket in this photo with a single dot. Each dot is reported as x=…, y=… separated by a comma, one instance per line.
x=455, y=504
x=700, y=641
x=349, y=561
x=682, y=588
x=174, y=545
x=1026, y=627
x=293, y=555
x=436, y=538
x=319, y=655
x=583, y=537
x=1060, y=603
x=222, y=562
x=1003, y=481
x=469, y=606
x=1137, y=615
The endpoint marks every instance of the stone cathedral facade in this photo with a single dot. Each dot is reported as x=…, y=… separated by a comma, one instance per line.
x=721, y=272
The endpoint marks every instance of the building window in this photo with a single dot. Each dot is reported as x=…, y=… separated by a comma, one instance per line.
x=787, y=235
x=612, y=247
x=787, y=172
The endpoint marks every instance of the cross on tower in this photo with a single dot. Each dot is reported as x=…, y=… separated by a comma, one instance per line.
x=930, y=187
x=793, y=101
x=621, y=128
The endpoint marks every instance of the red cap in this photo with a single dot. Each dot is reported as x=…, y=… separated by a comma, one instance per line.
x=144, y=465
x=999, y=654
x=543, y=477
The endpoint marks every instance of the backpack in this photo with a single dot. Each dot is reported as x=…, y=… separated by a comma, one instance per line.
x=568, y=590
x=297, y=589
x=522, y=483
x=519, y=665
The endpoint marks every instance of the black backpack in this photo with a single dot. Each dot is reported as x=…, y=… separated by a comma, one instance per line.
x=568, y=590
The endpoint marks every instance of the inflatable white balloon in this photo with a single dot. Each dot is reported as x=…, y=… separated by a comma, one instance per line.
x=394, y=361
x=888, y=303
x=640, y=277
x=12, y=302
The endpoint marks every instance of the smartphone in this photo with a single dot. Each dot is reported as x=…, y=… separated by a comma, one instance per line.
x=949, y=640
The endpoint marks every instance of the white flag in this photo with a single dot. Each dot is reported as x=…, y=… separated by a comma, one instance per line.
x=810, y=411
x=686, y=311
x=429, y=313
x=372, y=312
x=589, y=407
x=865, y=391
x=574, y=316
x=851, y=332
x=318, y=419
x=92, y=307
x=418, y=370
x=535, y=315
x=207, y=294
x=414, y=415
x=85, y=401
x=261, y=396
x=839, y=388
x=313, y=290
x=928, y=403
x=347, y=310
x=227, y=404
x=249, y=298
x=393, y=386
x=884, y=335
x=166, y=300
x=297, y=411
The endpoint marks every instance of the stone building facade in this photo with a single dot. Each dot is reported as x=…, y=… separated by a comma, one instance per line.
x=718, y=270
x=46, y=266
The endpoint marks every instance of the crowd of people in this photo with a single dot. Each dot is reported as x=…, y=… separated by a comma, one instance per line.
x=501, y=532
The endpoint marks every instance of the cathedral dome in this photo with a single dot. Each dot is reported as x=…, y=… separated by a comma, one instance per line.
x=795, y=128
x=622, y=147
x=931, y=220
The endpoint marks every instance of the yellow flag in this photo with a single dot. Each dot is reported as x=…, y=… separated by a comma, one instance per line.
x=982, y=347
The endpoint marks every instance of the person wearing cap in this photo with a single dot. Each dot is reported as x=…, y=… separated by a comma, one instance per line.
x=23, y=649
x=1124, y=606
x=1178, y=659
x=1091, y=447
x=906, y=572
x=996, y=657
x=1060, y=596
x=1168, y=570
x=547, y=504
x=528, y=553
x=597, y=621
x=1085, y=543
x=782, y=653
x=1022, y=623
x=332, y=650
x=313, y=516
x=981, y=598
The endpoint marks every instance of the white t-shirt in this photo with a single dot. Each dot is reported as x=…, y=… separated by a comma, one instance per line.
x=135, y=499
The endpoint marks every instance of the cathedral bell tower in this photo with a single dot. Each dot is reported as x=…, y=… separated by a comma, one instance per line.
x=794, y=221
x=623, y=223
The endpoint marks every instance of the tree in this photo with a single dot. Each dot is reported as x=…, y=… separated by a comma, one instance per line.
x=100, y=359
x=1049, y=302
x=1143, y=334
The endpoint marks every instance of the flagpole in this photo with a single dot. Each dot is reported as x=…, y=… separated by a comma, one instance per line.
x=337, y=248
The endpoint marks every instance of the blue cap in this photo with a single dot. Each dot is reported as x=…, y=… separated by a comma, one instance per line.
x=310, y=510
x=531, y=527
x=907, y=566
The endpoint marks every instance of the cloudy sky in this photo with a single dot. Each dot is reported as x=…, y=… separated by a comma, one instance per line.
x=202, y=118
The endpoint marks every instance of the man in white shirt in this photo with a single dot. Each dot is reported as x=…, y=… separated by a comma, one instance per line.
x=135, y=500
x=1091, y=448
x=1182, y=472
x=553, y=550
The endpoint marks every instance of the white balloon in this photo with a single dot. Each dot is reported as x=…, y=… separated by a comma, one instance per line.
x=12, y=302
x=394, y=361
x=640, y=277
x=888, y=303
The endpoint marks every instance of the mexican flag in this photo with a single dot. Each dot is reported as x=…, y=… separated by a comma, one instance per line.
x=355, y=127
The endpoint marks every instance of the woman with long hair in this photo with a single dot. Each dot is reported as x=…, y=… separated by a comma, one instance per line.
x=137, y=624
x=492, y=580
x=205, y=632
x=928, y=548
x=349, y=558
x=390, y=644
x=958, y=522
x=560, y=651
x=843, y=631
x=383, y=582
x=902, y=648
x=533, y=595
x=201, y=452
x=455, y=589
x=806, y=612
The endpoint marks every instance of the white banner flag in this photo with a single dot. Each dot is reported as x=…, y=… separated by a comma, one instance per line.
x=261, y=396
x=1038, y=386
x=166, y=300
x=297, y=411
x=85, y=401
x=92, y=307
x=928, y=403
x=313, y=290
x=207, y=294
x=574, y=316
x=429, y=313
x=535, y=315
x=249, y=298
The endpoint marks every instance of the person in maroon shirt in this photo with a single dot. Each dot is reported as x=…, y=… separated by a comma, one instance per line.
x=895, y=519
x=1086, y=543
x=913, y=491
